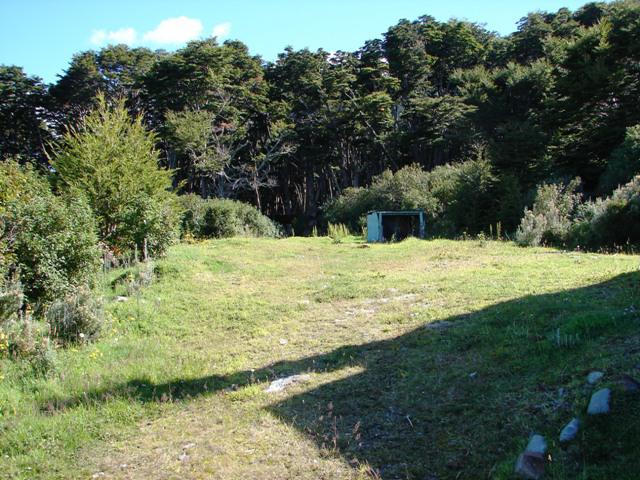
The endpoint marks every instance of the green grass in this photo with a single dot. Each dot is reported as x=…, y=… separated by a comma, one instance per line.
x=428, y=359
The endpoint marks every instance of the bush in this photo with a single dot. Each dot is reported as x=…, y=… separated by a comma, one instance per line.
x=609, y=223
x=337, y=232
x=549, y=220
x=112, y=159
x=465, y=196
x=76, y=318
x=624, y=162
x=150, y=224
x=221, y=218
x=53, y=247
x=406, y=189
x=457, y=198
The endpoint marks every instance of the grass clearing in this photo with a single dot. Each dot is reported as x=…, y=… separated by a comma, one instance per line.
x=427, y=358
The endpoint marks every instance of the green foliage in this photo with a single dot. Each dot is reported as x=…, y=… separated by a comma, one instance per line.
x=609, y=223
x=113, y=161
x=456, y=198
x=78, y=317
x=465, y=195
x=53, y=245
x=549, y=220
x=624, y=162
x=23, y=115
x=220, y=218
x=406, y=189
x=337, y=232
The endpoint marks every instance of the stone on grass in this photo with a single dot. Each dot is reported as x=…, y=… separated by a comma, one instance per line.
x=282, y=383
x=530, y=465
x=570, y=431
x=599, y=403
x=120, y=298
x=594, y=377
x=537, y=444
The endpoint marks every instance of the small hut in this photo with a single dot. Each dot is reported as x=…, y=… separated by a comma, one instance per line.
x=386, y=226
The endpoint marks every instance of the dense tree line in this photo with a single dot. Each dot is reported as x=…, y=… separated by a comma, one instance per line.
x=554, y=100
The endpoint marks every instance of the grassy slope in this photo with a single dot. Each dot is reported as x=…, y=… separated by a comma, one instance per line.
x=391, y=335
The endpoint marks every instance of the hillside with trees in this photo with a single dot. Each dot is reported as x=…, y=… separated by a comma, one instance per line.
x=555, y=100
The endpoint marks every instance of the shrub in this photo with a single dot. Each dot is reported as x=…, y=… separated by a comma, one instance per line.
x=465, y=197
x=337, y=232
x=78, y=317
x=457, y=197
x=114, y=162
x=549, y=220
x=54, y=245
x=220, y=218
x=406, y=189
x=624, y=162
x=150, y=224
x=609, y=223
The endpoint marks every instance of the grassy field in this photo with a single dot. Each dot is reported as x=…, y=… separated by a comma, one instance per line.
x=427, y=360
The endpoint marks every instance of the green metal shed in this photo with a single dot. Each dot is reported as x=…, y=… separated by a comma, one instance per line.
x=385, y=226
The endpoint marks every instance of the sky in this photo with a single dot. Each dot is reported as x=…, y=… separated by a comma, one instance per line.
x=42, y=35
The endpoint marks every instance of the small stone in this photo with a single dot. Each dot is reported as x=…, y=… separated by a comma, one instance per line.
x=282, y=383
x=594, y=377
x=599, y=403
x=530, y=465
x=120, y=298
x=570, y=430
x=537, y=444
x=630, y=383
x=283, y=341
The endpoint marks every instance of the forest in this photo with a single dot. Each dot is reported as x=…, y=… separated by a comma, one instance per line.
x=554, y=101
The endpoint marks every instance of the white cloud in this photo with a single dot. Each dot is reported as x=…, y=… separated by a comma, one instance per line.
x=175, y=30
x=124, y=35
x=221, y=30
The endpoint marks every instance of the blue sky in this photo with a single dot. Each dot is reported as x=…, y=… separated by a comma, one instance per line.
x=42, y=35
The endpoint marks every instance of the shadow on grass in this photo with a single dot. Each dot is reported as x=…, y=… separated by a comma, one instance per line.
x=459, y=398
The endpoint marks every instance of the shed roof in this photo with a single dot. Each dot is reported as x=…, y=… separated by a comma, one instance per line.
x=397, y=212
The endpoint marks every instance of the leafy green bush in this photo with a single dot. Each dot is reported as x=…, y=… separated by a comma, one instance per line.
x=609, y=223
x=78, y=317
x=406, y=189
x=53, y=245
x=465, y=197
x=112, y=160
x=549, y=220
x=220, y=218
x=337, y=232
x=150, y=224
x=624, y=162
x=457, y=198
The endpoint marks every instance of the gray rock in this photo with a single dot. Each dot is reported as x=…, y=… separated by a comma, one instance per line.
x=537, y=444
x=594, y=377
x=570, y=430
x=282, y=383
x=120, y=298
x=530, y=465
x=599, y=403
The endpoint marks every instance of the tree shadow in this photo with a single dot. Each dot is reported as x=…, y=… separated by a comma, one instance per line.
x=455, y=399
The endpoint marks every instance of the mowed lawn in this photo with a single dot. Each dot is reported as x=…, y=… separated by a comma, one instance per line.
x=426, y=360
